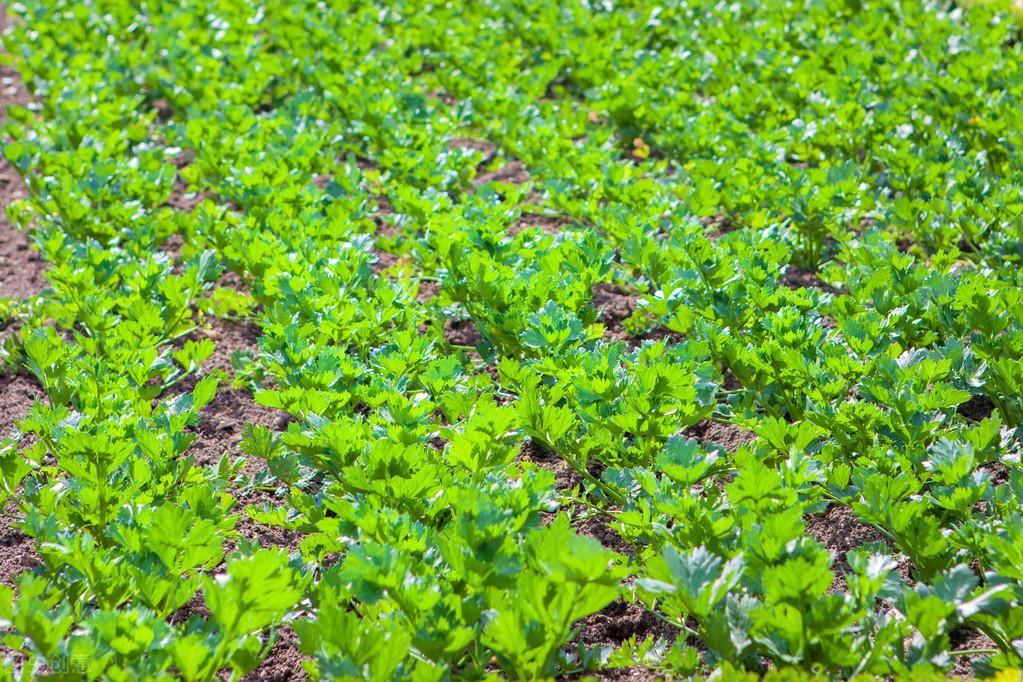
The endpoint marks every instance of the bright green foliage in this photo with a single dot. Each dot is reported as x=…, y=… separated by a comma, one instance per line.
x=515, y=267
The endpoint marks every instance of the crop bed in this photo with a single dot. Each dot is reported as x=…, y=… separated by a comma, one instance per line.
x=511, y=339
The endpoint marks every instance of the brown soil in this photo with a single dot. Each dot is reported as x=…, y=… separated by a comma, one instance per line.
x=268, y=536
x=565, y=478
x=967, y=640
x=21, y=276
x=17, y=551
x=598, y=529
x=794, y=278
x=196, y=606
x=620, y=620
x=384, y=260
x=657, y=334
x=283, y=663
x=172, y=247
x=977, y=408
x=998, y=472
x=617, y=622
x=513, y=172
x=386, y=231
x=615, y=305
x=728, y=436
x=221, y=423
x=718, y=225
x=183, y=200
x=18, y=392
x=462, y=333
x=548, y=224
x=840, y=531
x=21, y=268
x=427, y=290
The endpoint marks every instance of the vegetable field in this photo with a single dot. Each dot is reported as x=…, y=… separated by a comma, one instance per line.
x=511, y=339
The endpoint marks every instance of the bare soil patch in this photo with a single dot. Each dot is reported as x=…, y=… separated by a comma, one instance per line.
x=283, y=663
x=620, y=620
x=615, y=305
x=794, y=278
x=18, y=392
x=544, y=223
x=840, y=531
x=513, y=172
x=22, y=274
x=728, y=436
x=221, y=424
x=21, y=268
x=977, y=408
x=17, y=553
x=462, y=333
x=968, y=640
